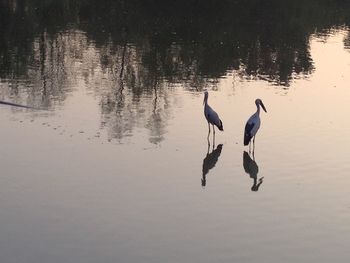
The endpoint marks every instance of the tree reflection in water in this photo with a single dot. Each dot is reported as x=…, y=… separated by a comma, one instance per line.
x=130, y=52
x=347, y=41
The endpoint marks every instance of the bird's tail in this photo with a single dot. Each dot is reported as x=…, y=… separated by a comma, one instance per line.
x=247, y=138
x=221, y=127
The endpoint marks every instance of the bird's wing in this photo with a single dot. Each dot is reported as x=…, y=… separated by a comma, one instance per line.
x=249, y=129
x=249, y=125
x=213, y=117
x=256, y=126
x=247, y=133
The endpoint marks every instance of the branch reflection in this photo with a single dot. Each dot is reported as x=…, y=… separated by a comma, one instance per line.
x=59, y=47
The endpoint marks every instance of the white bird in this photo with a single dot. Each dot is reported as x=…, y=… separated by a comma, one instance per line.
x=211, y=116
x=253, y=123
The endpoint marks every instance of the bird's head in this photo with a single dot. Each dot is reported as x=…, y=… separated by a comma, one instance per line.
x=259, y=102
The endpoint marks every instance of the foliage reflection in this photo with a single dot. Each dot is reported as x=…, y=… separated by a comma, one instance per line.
x=130, y=52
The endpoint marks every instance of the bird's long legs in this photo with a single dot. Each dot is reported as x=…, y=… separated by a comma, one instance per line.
x=213, y=137
x=253, y=146
x=208, y=134
x=252, y=142
x=208, y=147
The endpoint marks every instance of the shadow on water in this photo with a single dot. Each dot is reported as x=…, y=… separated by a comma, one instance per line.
x=251, y=168
x=210, y=161
x=48, y=47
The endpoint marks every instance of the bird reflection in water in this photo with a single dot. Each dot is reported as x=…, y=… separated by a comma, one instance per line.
x=251, y=168
x=210, y=161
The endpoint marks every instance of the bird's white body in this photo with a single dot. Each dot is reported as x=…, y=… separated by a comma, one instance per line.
x=211, y=116
x=255, y=121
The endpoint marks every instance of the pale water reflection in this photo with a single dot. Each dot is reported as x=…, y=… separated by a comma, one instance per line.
x=110, y=170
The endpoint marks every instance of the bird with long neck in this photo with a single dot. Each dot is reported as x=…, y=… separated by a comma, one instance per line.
x=253, y=124
x=211, y=116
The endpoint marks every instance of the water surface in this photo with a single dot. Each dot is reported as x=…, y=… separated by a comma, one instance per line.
x=112, y=164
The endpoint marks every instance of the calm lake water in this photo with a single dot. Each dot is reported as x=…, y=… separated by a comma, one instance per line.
x=111, y=163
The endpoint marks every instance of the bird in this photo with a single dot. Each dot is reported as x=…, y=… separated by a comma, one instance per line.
x=211, y=116
x=253, y=124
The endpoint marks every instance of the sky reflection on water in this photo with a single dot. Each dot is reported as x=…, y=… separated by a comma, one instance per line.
x=116, y=168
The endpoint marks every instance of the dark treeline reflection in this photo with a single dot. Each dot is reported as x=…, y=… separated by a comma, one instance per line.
x=127, y=51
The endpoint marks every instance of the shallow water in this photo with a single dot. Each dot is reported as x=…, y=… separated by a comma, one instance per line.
x=108, y=171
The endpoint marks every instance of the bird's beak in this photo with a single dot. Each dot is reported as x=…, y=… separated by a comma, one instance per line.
x=262, y=106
